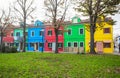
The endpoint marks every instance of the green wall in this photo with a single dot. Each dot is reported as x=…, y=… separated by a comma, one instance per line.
x=75, y=34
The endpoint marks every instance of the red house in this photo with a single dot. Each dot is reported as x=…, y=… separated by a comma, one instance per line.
x=50, y=39
x=8, y=39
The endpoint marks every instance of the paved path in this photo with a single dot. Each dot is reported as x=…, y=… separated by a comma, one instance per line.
x=117, y=53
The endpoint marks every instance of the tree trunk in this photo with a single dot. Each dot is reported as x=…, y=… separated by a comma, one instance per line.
x=24, y=35
x=92, y=50
x=56, y=41
x=1, y=34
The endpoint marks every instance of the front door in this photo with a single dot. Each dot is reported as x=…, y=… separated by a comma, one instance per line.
x=99, y=47
x=36, y=46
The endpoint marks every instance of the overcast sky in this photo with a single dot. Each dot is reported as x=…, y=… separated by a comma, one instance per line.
x=40, y=13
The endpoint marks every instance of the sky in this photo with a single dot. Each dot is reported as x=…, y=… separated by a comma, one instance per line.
x=39, y=13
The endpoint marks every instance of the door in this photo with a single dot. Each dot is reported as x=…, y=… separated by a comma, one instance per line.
x=36, y=46
x=99, y=47
x=53, y=46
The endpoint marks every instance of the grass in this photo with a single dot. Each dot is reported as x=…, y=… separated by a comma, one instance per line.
x=46, y=65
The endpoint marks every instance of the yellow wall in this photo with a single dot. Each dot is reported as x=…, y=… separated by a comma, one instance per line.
x=101, y=36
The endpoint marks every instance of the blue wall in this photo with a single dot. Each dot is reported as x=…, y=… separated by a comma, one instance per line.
x=37, y=38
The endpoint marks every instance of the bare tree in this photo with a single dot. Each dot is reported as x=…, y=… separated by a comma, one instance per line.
x=6, y=21
x=25, y=9
x=94, y=9
x=56, y=10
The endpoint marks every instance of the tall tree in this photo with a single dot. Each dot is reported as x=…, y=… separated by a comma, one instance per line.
x=6, y=20
x=56, y=10
x=25, y=9
x=94, y=9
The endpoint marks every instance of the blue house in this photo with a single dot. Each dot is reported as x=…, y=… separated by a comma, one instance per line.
x=36, y=37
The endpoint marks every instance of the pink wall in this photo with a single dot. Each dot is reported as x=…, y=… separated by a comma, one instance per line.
x=8, y=38
x=51, y=39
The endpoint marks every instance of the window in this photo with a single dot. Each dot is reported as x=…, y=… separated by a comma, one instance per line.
x=32, y=33
x=106, y=30
x=60, y=45
x=40, y=33
x=50, y=32
x=81, y=31
x=41, y=44
x=75, y=20
x=69, y=31
x=31, y=44
x=11, y=34
x=81, y=44
x=107, y=45
x=69, y=44
x=18, y=34
x=17, y=44
x=59, y=32
x=11, y=44
x=50, y=45
x=75, y=44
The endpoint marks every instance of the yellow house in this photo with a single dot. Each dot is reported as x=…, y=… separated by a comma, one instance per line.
x=103, y=38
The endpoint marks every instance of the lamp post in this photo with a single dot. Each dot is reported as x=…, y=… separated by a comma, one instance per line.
x=42, y=39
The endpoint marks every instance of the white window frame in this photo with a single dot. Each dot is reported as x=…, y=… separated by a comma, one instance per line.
x=79, y=31
x=75, y=42
x=68, y=30
x=80, y=42
x=69, y=42
x=75, y=20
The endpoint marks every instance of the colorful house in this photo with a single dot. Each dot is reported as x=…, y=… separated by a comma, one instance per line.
x=74, y=37
x=103, y=37
x=9, y=39
x=50, y=39
x=18, y=38
x=36, y=37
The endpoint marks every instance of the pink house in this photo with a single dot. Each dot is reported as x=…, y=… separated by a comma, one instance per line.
x=50, y=39
x=8, y=38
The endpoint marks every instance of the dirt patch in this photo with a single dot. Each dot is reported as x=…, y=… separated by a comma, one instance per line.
x=117, y=70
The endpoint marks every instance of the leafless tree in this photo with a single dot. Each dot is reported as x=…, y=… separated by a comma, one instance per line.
x=6, y=20
x=56, y=11
x=24, y=8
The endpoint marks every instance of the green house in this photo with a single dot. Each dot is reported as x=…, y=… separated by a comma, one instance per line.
x=74, y=37
x=18, y=38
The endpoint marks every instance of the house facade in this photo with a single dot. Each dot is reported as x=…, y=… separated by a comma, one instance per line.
x=74, y=37
x=50, y=39
x=103, y=37
x=8, y=39
x=36, y=37
x=18, y=38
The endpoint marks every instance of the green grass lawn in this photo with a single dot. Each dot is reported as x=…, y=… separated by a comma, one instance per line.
x=45, y=65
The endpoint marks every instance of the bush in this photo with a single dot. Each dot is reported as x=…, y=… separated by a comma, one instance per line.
x=13, y=49
x=7, y=49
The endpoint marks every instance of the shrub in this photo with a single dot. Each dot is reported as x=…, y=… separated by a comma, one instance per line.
x=13, y=49
x=7, y=49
